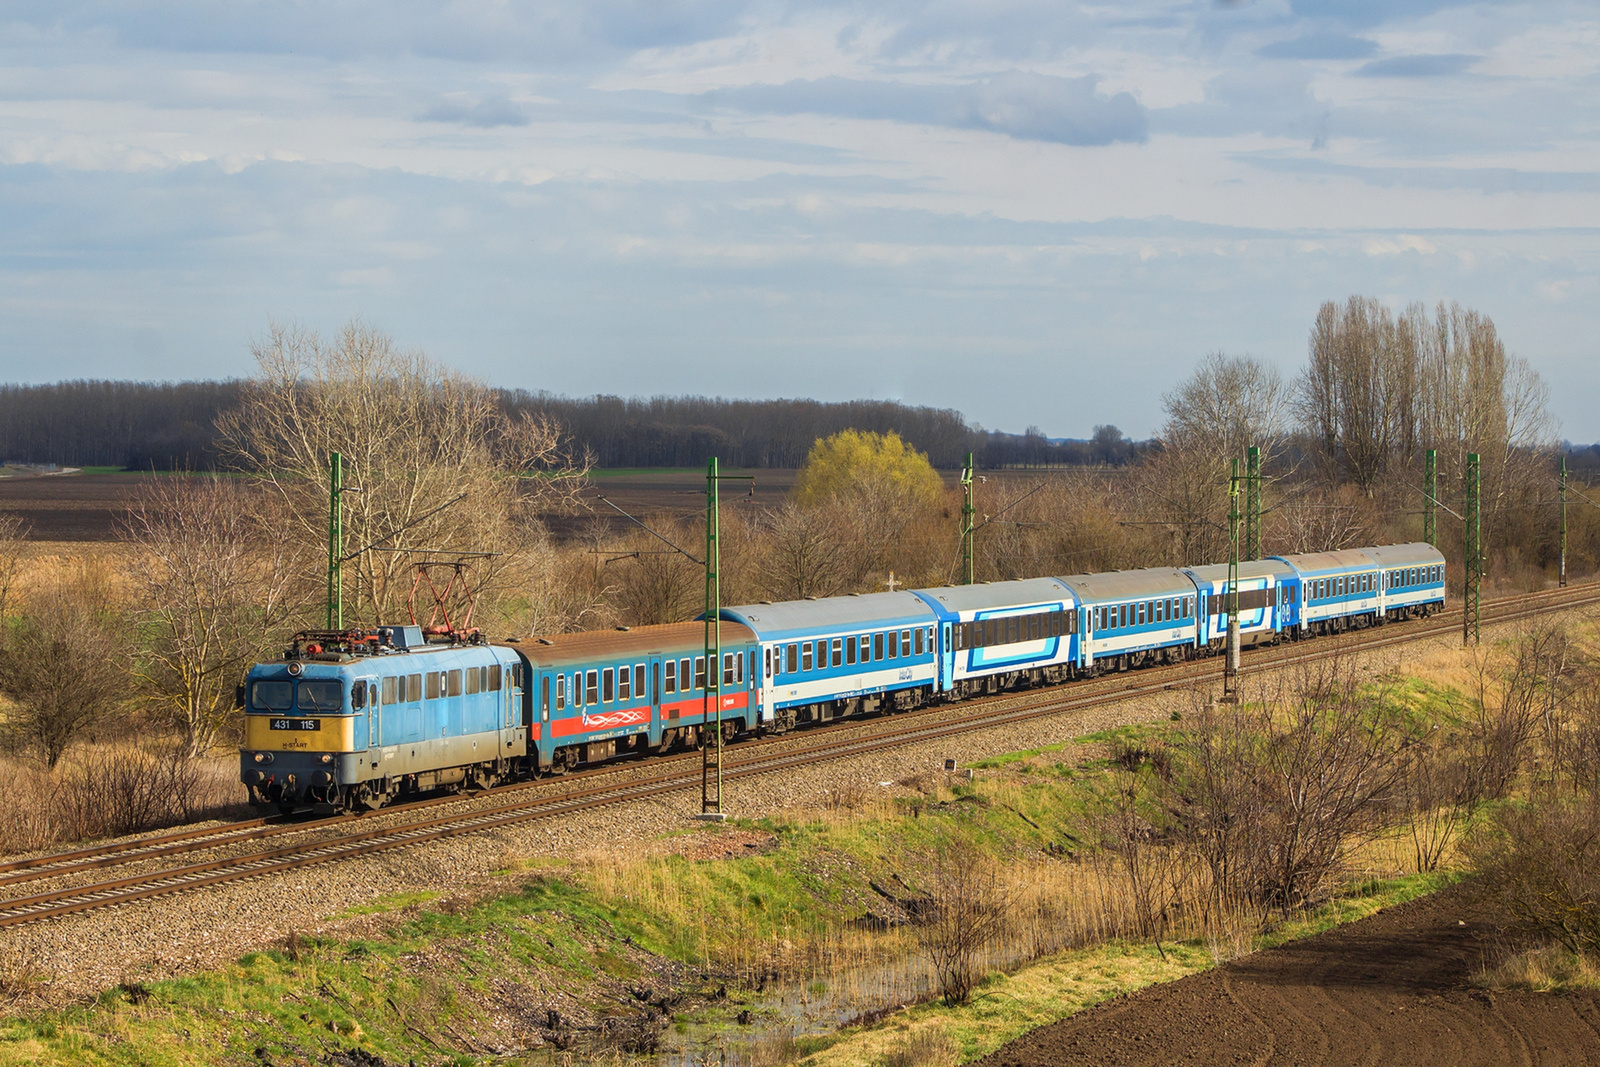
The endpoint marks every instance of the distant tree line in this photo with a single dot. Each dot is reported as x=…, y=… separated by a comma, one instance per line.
x=137, y=425
x=173, y=426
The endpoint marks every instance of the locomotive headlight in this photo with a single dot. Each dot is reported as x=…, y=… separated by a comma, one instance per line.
x=327, y=758
x=263, y=757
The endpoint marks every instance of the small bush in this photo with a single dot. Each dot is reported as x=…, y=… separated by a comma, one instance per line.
x=1542, y=861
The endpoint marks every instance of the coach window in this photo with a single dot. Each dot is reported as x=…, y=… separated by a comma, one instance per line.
x=877, y=646
x=766, y=660
x=700, y=672
x=838, y=652
x=671, y=685
x=918, y=642
x=625, y=684
x=608, y=691
x=849, y=652
x=905, y=643
x=561, y=692
x=592, y=697
x=805, y=656
x=793, y=659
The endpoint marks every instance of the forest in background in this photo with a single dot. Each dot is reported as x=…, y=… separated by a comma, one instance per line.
x=169, y=426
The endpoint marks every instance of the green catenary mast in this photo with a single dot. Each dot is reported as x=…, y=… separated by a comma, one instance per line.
x=335, y=543
x=968, y=514
x=1252, y=505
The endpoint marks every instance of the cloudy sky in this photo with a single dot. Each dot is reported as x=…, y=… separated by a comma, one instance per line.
x=1037, y=211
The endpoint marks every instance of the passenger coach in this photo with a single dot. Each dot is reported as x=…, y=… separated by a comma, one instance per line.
x=823, y=659
x=999, y=634
x=1134, y=618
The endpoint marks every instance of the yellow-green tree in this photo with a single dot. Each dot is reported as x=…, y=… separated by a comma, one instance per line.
x=866, y=495
x=856, y=464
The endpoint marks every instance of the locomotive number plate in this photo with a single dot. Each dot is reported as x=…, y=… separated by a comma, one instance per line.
x=296, y=724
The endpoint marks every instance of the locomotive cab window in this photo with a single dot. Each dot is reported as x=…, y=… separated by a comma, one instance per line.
x=320, y=696
x=391, y=690
x=474, y=680
x=494, y=678
x=358, y=696
x=272, y=696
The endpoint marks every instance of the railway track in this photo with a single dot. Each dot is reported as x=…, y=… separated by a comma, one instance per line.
x=528, y=801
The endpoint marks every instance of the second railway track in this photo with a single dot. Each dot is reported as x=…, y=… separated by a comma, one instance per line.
x=357, y=836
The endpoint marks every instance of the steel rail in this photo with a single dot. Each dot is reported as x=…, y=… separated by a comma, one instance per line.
x=990, y=712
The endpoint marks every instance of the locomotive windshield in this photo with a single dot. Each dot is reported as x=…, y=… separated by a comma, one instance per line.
x=272, y=696
x=320, y=696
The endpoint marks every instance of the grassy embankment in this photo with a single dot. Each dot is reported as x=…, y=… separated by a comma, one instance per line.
x=619, y=936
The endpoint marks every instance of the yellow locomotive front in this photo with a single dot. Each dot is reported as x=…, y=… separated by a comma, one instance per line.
x=302, y=734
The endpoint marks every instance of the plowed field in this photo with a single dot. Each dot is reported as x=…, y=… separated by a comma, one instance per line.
x=1392, y=989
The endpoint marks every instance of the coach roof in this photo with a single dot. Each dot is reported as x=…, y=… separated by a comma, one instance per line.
x=1129, y=585
x=1415, y=554
x=1255, y=568
x=1014, y=594
x=679, y=638
x=833, y=613
x=1346, y=559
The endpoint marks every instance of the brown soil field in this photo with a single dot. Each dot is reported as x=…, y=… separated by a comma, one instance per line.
x=70, y=507
x=1395, y=988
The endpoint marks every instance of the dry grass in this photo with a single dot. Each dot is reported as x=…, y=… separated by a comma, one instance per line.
x=110, y=789
x=1543, y=969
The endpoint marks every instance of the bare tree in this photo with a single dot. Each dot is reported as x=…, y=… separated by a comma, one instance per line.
x=64, y=664
x=13, y=533
x=1156, y=869
x=214, y=572
x=1227, y=405
x=965, y=912
x=414, y=437
x=806, y=556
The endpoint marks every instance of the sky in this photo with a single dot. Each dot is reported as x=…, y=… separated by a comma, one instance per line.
x=1039, y=212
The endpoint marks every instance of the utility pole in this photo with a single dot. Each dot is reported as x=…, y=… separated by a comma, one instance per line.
x=1230, y=670
x=1252, y=506
x=1430, y=495
x=1473, y=557
x=335, y=542
x=968, y=515
x=1562, y=580
x=711, y=751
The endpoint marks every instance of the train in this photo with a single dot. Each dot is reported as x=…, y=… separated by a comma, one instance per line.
x=357, y=719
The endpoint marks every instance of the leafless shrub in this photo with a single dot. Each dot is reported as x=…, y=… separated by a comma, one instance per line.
x=1276, y=793
x=1156, y=868
x=1518, y=699
x=967, y=908
x=109, y=792
x=1440, y=789
x=1542, y=861
x=64, y=663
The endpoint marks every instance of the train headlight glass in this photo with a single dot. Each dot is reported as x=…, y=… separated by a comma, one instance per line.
x=326, y=758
